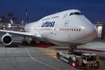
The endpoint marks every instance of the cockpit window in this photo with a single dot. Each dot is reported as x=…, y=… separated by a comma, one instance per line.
x=76, y=13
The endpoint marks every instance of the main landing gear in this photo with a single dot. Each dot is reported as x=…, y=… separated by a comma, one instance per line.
x=33, y=41
x=71, y=49
x=24, y=41
x=42, y=42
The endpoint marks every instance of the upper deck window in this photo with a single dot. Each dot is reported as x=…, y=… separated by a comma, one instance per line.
x=55, y=17
x=46, y=19
x=76, y=13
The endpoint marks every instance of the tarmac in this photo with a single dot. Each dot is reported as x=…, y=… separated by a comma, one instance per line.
x=42, y=57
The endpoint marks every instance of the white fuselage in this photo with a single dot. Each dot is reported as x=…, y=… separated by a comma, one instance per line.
x=65, y=28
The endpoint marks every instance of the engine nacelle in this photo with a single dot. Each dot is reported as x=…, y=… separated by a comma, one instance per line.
x=6, y=39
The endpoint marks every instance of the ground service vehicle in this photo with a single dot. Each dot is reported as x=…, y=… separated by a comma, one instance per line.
x=80, y=60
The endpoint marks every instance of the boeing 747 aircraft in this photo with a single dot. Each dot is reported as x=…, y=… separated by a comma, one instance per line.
x=69, y=28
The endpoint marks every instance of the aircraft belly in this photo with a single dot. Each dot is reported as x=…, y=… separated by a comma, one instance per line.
x=60, y=38
x=62, y=43
x=77, y=37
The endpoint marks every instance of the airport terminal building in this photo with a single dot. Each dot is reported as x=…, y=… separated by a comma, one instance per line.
x=8, y=22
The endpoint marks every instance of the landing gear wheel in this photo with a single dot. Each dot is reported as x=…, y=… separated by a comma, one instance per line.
x=42, y=42
x=25, y=43
x=75, y=47
x=71, y=49
x=33, y=42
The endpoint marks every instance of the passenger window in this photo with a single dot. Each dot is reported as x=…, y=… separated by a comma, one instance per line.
x=79, y=29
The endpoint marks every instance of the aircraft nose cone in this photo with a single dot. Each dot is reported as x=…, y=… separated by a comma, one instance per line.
x=90, y=33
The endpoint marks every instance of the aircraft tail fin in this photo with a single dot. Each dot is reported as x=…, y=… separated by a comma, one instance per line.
x=27, y=18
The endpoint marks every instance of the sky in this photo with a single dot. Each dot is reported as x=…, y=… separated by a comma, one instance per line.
x=94, y=10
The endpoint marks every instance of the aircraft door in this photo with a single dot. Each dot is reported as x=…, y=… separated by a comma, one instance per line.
x=68, y=35
x=55, y=29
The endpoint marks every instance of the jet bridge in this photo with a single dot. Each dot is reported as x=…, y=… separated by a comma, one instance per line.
x=100, y=26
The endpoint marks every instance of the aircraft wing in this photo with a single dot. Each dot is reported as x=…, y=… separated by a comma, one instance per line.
x=18, y=33
x=7, y=39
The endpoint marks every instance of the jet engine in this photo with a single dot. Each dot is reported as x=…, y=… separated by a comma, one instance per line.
x=6, y=39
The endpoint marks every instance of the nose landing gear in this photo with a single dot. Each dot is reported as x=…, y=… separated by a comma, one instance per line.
x=71, y=49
